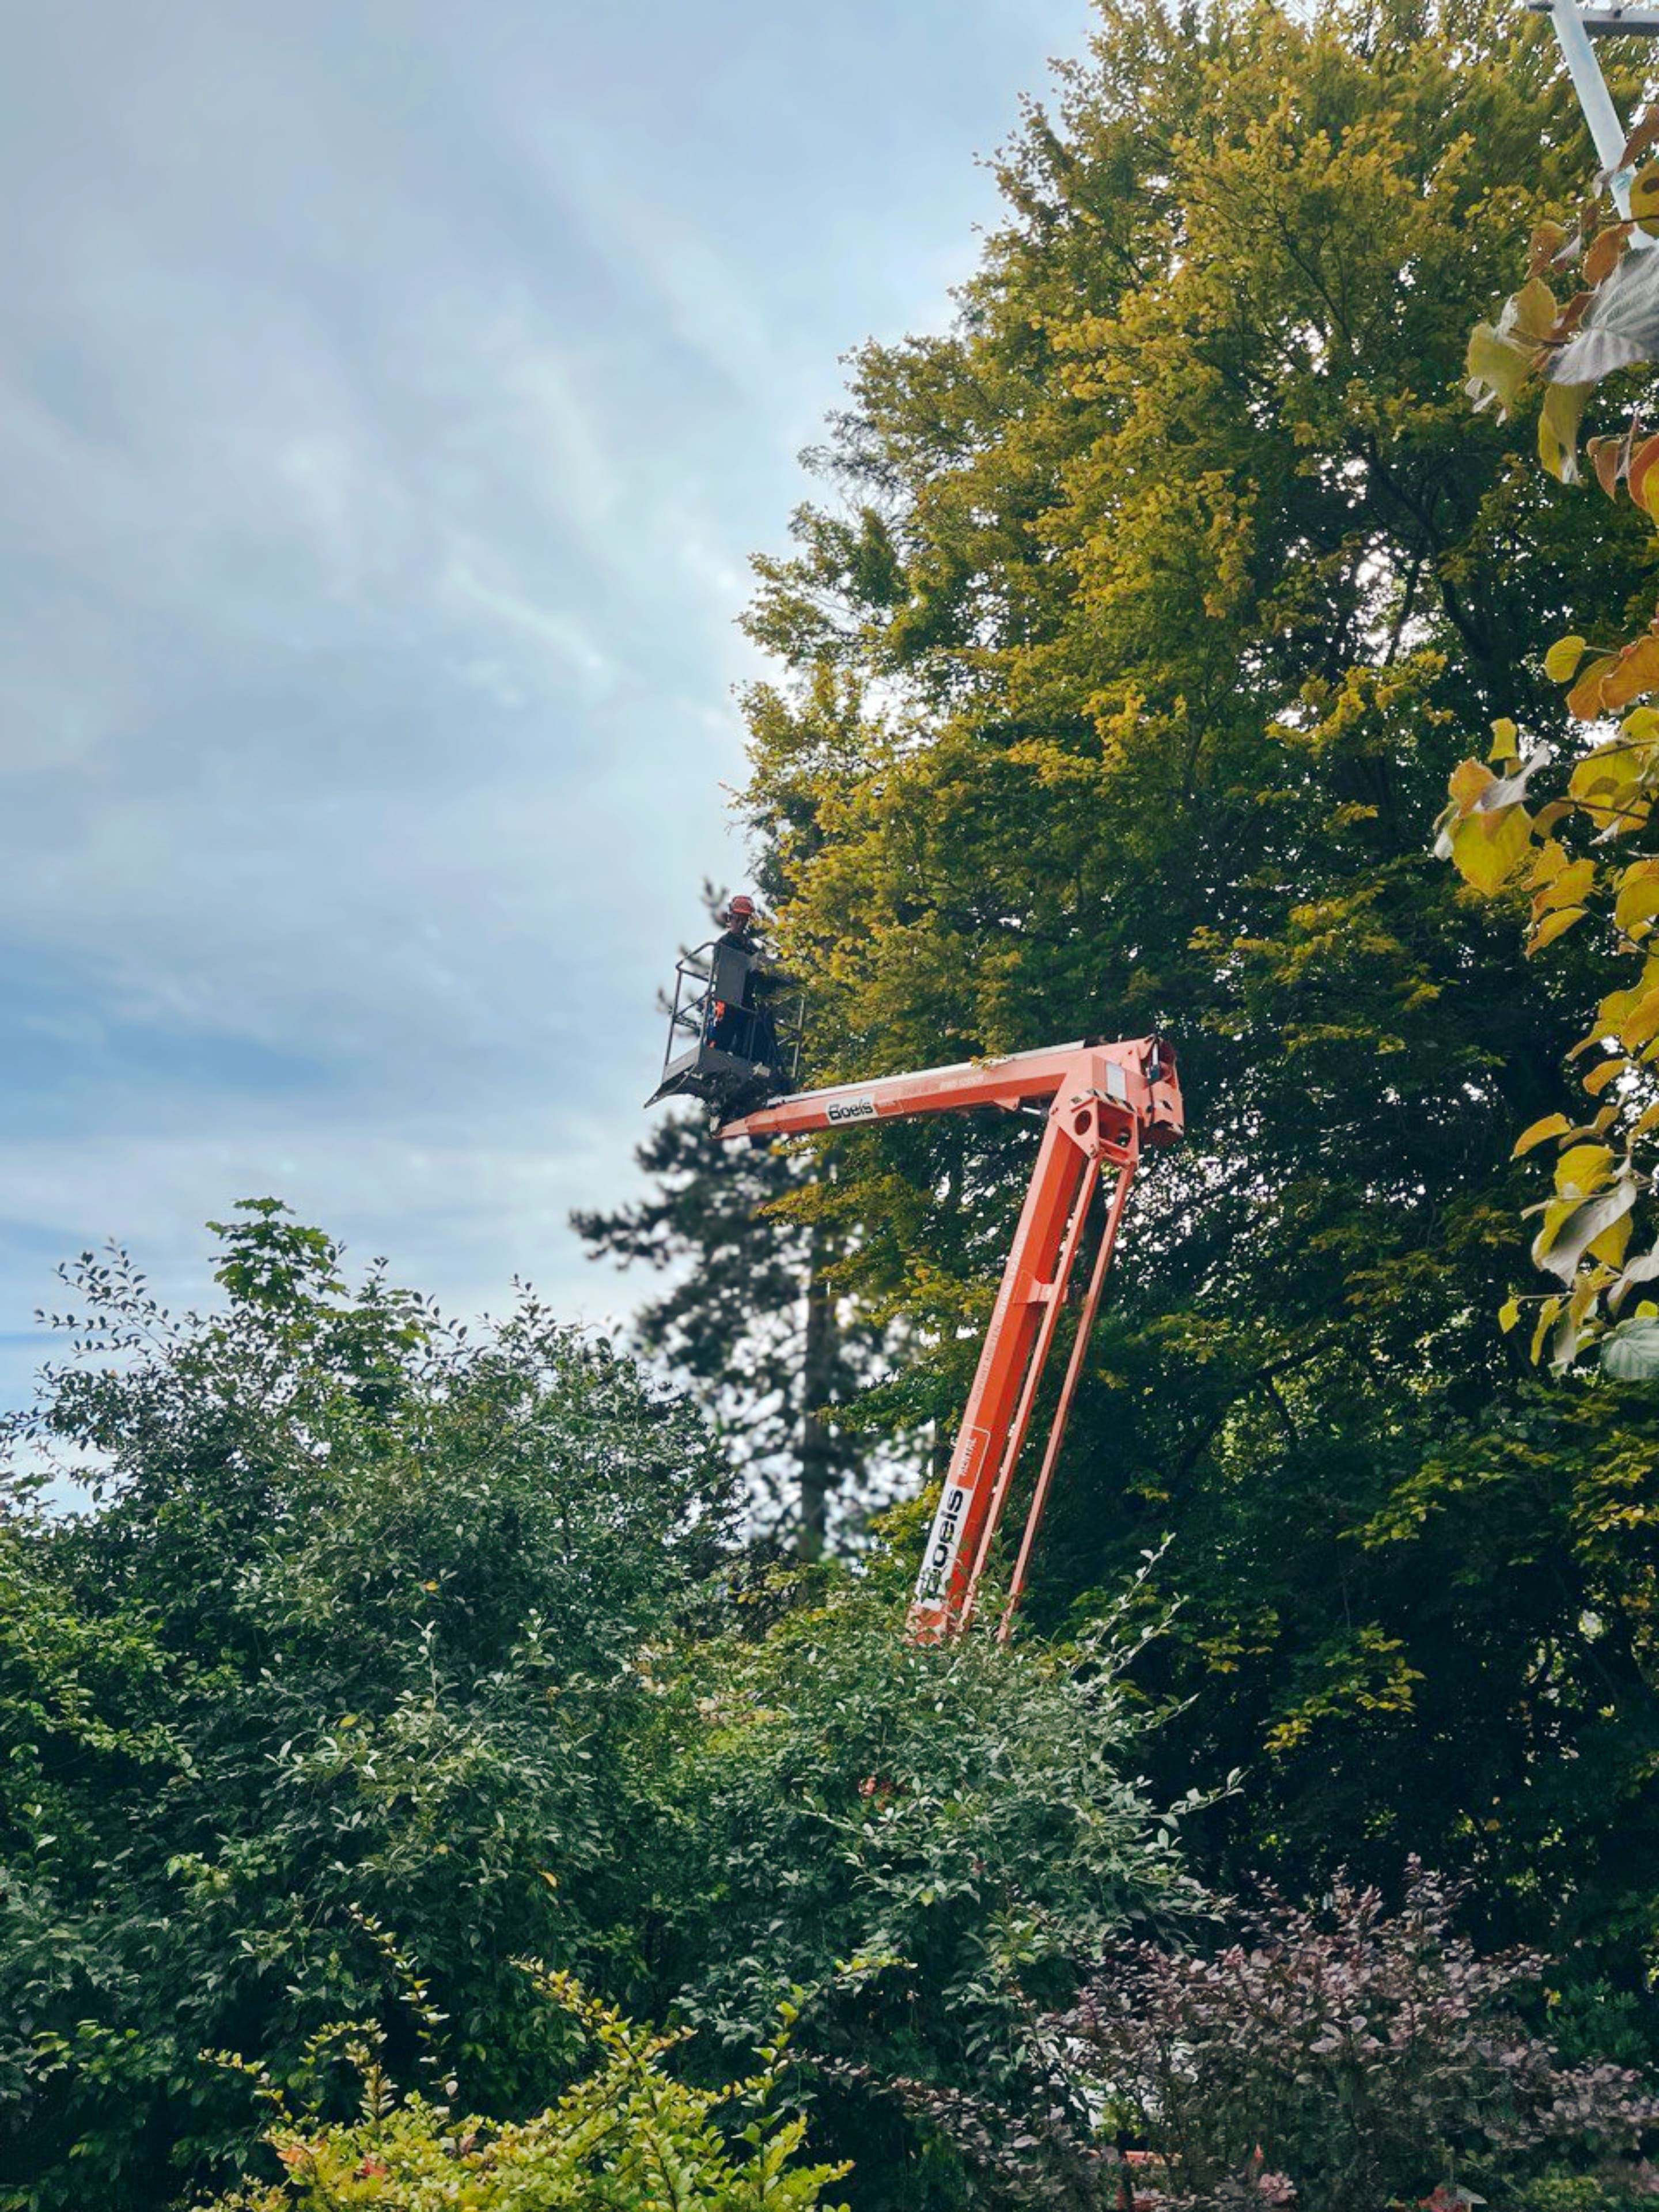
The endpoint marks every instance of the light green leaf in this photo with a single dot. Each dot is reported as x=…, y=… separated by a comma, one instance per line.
x=1630, y=1354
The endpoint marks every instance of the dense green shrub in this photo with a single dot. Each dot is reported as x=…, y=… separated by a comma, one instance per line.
x=353, y=1632
x=961, y=1808
x=382, y=1644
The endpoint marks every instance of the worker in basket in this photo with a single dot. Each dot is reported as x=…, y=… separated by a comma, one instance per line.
x=728, y=999
x=744, y=1026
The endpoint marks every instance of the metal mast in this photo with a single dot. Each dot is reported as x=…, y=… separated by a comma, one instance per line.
x=1574, y=29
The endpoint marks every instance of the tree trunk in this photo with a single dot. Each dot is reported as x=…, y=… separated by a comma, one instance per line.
x=818, y=1366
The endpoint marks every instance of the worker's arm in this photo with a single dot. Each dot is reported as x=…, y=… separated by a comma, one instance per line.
x=765, y=981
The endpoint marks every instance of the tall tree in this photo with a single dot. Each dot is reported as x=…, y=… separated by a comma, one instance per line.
x=1119, y=671
x=751, y=1323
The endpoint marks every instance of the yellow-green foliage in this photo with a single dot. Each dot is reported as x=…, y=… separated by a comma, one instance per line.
x=1587, y=854
x=627, y=2138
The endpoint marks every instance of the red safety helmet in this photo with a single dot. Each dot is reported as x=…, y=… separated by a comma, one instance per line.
x=742, y=904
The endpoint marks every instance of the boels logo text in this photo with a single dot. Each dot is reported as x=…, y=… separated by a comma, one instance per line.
x=942, y=1544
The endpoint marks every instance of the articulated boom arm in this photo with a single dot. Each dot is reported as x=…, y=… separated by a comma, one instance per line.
x=1104, y=1102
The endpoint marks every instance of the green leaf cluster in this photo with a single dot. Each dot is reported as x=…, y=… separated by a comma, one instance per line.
x=963, y=1810
x=627, y=2136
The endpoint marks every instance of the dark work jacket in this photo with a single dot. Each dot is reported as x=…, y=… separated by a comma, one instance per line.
x=762, y=979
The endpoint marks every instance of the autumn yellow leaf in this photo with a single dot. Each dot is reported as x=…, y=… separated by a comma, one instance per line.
x=1487, y=849
x=1599, y=1078
x=1563, y=657
x=1638, y=894
x=1584, y=700
x=1605, y=250
x=1637, y=671
x=1554, y=926
x=1609, y=1016
x=1612, y=1244
x=1552, y=1124
x=1547, y=863
x=1546, y=1313
x=1582, y=1169
x=1469, y=782
x=1605, y=784
x=1496, y=368
x=1566, y=886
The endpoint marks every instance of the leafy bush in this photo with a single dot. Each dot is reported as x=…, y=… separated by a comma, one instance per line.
x=961, y=1808
x=627, y=2138
x=355, y=1633
x=1628, y=2188
x=1343, y=2056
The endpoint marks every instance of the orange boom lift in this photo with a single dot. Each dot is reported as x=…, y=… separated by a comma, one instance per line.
x=1103, y=1103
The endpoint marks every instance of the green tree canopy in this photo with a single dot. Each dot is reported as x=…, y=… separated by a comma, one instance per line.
x=390, y=1655
x=1119, y=668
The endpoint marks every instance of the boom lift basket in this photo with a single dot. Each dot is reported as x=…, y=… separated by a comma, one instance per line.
x=731, y=1043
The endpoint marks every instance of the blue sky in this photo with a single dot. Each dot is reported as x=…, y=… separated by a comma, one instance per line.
x=390, y=394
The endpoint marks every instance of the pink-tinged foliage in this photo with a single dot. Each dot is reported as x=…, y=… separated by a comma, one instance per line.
x=1367, y=2054
x=1337, y=2058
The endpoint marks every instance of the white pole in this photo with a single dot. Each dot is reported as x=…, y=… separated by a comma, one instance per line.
x=1606, y=130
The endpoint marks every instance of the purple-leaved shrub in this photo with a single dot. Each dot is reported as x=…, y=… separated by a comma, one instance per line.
x=1362, y=2056
x=1338, y=2057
